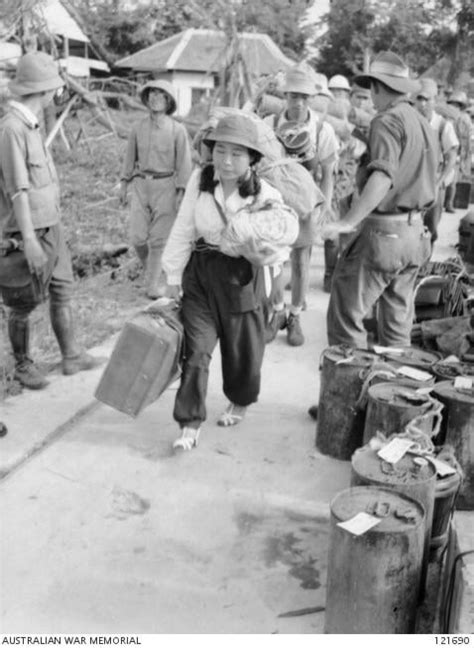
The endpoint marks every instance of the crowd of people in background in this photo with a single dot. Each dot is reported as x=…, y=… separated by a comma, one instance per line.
x=385, y=150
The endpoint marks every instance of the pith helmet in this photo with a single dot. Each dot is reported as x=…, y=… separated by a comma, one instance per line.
x=301, y=80
x=339, y=82
x=165, y=86
x=35, y=72
x=321, y=82
x=459, y=97
x=428, y=89
x=389, y=69
x=236, y=129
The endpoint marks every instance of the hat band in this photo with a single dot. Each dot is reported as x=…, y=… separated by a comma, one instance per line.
x=381, y=67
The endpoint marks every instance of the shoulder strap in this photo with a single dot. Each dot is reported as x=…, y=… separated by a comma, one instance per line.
x=220, y=210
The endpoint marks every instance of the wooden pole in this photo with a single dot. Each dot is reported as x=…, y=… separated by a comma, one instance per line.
x=58, y=125
x=366, y=60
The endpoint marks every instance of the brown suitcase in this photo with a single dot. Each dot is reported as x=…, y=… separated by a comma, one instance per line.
x=145, y=360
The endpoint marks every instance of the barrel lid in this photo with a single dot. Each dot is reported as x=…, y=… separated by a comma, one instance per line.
x=407, y=471
x=397, y=512
x=397, y=394
x=447, y=390
x=451, y=370
x=412, y=356
x=356, y=357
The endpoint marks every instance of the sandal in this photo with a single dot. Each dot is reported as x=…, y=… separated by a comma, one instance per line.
x=231, y=416
x=188, y=440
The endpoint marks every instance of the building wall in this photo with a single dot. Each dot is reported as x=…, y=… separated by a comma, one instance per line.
x=185, y=83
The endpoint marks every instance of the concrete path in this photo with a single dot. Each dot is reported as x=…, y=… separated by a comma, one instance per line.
x=106, y=530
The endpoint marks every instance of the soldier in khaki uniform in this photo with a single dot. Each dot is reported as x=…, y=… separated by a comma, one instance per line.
x=301, y=83
x=380, y=263
x=30, y=217
x=158, y=165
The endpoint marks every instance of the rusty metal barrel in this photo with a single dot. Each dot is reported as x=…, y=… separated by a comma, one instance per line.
x=340, y=424
x=446, y=492
x=409, y=476
x=392, y=406
x=445, y=496
x=457, y=429
x=412, y=357
x=385, y=371
x=373, y=579
x=450, y=370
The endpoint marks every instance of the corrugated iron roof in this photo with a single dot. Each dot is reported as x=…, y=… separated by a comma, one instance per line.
x=202, y=50
x=59, y=21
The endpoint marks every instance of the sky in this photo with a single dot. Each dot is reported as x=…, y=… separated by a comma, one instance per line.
x=319, y=8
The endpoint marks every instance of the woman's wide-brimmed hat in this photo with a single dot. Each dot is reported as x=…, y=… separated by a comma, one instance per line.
x=35, y=72
x=236, y=129
x=388, y=68
x=165, y=86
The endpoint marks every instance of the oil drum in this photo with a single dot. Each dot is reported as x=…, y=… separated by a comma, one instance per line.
x=457, y=429
x=450, y=370
x=374, y=578
x=412, y=357
x=392, y=406
x=408, y=476
x=340, y=424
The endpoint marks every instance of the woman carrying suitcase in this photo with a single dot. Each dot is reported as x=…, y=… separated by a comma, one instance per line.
x=223, y=296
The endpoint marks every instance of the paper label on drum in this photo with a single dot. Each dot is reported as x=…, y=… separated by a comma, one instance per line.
x=443, y=469
x=384, y=349
x=416, y=374
x=360, y=523
x=395, y=450
x=462, y=382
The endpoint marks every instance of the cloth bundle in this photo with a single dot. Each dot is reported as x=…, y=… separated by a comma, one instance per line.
x=261, y=233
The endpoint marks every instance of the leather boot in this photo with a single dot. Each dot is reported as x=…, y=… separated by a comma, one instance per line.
x=156, y=284
x=74, y=359
x=26, y=371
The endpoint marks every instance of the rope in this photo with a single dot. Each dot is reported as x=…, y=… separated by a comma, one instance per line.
x=374, y=372
x=434, y=411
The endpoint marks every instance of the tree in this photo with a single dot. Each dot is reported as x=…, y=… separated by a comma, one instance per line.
x=418, y=31
x=463, y=46
x=122, y=30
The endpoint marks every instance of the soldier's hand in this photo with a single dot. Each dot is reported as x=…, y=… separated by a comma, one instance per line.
x=330, y=231
x=34, y=254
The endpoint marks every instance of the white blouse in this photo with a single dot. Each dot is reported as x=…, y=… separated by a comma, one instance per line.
x=199, y=217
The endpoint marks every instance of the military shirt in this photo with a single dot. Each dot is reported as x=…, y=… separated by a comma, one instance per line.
x=162, y=148
x=26, y=165
x=403, y=145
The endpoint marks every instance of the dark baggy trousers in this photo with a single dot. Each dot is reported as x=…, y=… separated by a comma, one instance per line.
x=223, y=299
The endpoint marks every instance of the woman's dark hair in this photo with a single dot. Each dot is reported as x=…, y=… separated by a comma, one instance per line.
x=248, y=186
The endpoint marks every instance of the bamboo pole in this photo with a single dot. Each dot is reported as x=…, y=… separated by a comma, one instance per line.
x=58, y=125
